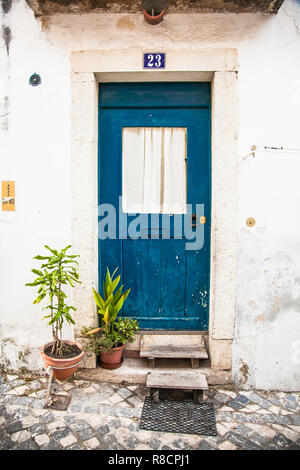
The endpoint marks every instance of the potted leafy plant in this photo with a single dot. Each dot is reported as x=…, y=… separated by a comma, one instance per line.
x=111, y=337
x=58, y=269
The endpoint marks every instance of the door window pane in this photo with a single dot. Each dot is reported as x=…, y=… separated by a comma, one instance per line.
x=154, y=170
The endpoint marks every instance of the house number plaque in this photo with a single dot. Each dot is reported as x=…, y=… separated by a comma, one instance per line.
x=154, y=60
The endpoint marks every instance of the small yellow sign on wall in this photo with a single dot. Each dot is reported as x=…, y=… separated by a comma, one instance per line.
x=8, y=195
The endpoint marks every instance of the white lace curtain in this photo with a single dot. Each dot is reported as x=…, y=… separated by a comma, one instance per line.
x=154, y=170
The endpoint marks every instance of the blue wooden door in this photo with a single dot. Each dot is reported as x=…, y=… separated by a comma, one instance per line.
x=169, y=283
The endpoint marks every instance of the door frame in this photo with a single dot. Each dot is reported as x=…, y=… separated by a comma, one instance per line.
x=219, y=66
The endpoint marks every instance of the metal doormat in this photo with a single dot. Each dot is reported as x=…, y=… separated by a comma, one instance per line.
x=59, y=402
x=179, y=417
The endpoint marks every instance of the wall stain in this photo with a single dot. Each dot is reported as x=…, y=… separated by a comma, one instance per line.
x=125, y=23
x=9, y=341
x=244, y=370
x=261, y=317
x=6, y=6
x=6, y=34
x=22, y=355
x=252, y=304
x=276, y=306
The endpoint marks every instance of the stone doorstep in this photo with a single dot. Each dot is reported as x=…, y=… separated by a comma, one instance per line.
x=173, y=346
x=135, y=371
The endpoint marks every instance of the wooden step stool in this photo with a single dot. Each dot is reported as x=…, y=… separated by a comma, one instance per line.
x=173, y=347
x=195, y=381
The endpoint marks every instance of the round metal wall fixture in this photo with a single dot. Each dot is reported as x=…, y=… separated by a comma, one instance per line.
x=35, y=80
x=250, y=222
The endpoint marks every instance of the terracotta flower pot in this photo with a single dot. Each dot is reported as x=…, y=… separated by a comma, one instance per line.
x=154, y=19
x=111, y=359
x=62, y=368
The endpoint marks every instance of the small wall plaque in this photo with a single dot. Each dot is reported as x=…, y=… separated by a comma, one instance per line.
x=8, y=195
x=154, y=60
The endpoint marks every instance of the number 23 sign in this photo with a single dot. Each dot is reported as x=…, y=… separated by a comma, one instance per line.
x=154, y=60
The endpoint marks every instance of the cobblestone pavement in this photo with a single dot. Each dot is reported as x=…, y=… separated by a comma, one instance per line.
x=106, y=416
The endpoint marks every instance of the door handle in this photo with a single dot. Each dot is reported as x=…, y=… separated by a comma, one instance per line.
x=194, y=220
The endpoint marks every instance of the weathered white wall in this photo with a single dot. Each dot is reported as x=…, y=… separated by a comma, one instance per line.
x=35, y=151
x=266, y=351
x=267, y=346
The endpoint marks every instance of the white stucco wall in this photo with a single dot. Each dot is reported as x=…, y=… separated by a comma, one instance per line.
x=35, y=151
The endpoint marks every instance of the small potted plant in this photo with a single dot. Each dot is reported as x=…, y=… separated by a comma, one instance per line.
x=109, y=340
x=58, y=269
x=154, y=10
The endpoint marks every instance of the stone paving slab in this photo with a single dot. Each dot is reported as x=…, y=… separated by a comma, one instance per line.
x=106, y=416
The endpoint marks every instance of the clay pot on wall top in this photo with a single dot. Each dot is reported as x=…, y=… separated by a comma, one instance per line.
x=154, y=19
x=154, y=10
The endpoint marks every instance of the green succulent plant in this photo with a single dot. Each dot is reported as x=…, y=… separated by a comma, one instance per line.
x=111, y=303
x=113, y=332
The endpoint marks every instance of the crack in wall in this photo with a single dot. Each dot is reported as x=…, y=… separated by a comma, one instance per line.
x=5, y=113
x=297, y=27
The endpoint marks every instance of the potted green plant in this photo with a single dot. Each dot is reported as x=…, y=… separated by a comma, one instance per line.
x=58, y=269
x=109, y=340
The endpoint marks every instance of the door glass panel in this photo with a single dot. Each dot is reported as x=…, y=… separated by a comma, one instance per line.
x=154, y=170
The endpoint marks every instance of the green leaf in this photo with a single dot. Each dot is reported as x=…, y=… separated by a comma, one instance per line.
x=114, y=284
x=126, y=294
x=39, y=298
x=69, y=279
x=36, y=271
x=98, y=299
x=119, y=304
x=115, y=272
x=36, y=283
x=108, y=278
x=65, y=249
x=121, y=301
x=107, y=284
x=118, y=294
x=107, y=303
x=105, y=317
x=54, y=252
